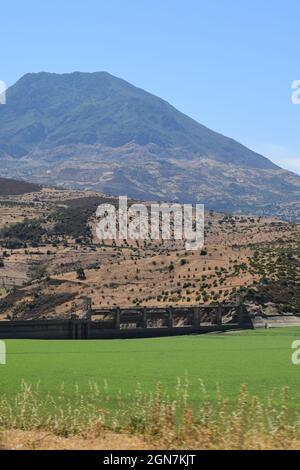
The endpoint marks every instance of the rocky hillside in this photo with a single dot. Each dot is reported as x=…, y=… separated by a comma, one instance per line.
x=99, y=132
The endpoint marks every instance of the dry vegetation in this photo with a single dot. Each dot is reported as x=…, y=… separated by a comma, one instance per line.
x=153, y=422
x=51, y=260
x=57, y=260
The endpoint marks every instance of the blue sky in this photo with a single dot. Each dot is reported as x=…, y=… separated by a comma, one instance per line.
x=227, y=63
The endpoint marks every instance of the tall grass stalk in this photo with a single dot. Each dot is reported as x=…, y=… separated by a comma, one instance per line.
x=169, y=423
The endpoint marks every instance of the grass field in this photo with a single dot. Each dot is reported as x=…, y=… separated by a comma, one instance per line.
x=261, y=359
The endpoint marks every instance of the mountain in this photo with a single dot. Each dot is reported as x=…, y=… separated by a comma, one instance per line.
x=96, y=131
x=52, y=110
x=9, y=187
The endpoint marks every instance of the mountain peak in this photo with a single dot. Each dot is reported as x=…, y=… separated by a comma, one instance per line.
x=97, y=131
x=98, y=108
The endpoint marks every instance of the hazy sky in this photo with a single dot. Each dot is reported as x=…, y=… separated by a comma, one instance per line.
x=227, y=63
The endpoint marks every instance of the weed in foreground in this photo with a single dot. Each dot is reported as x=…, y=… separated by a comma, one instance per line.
x=165, y=423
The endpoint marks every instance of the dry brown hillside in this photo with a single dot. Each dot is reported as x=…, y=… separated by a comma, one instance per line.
x=51, y=260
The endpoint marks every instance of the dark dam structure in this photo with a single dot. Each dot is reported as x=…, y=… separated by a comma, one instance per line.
x=135, y=322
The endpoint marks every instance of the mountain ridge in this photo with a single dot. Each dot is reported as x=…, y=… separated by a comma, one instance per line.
x=96, y=131
x=11, y=187
x=29, y=93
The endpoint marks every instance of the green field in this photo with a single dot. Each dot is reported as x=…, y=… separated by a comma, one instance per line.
x=261, y=359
